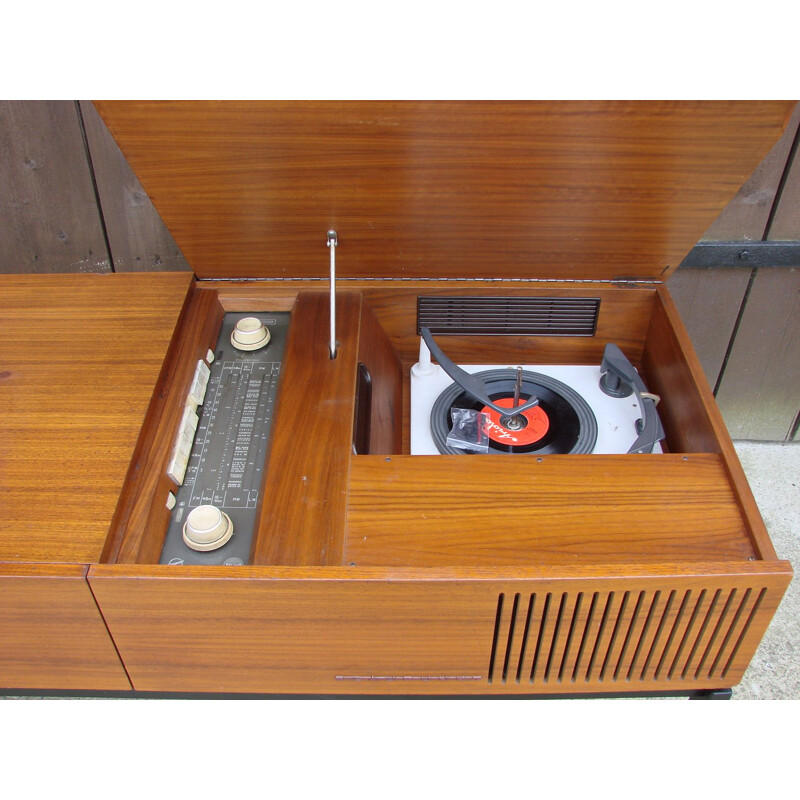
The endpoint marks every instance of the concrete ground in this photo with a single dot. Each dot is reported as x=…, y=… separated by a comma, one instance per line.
x=773, y=471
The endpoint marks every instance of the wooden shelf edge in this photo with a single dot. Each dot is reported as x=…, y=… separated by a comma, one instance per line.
x=774, y=569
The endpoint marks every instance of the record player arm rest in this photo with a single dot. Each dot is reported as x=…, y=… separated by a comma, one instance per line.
x=470, y=383
x=649, y=427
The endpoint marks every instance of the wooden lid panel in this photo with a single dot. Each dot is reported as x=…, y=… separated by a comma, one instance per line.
x=574, y=190
x=80, y=356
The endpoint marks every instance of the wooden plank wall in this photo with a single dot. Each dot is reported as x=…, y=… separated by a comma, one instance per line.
x=50, y=221
x=74, y=205
x=744, y=321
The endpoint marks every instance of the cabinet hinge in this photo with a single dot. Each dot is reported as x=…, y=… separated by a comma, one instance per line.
x=623, y=282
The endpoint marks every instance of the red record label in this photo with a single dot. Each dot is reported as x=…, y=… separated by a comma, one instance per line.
x=537, y=427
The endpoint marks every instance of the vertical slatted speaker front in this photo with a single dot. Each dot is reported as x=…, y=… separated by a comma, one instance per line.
x=642, y=636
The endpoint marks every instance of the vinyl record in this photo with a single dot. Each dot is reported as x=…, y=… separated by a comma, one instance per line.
x=562, y=422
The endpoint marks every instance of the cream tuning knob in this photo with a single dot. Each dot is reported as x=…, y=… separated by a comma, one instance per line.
x=207, y=528
x=250, y=334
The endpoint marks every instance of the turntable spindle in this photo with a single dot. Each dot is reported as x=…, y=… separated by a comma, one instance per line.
x=516, y=422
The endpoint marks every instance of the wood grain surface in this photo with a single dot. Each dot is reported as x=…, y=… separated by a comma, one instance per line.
x=305, y=488
x=622, y=318
x=745, y=218
x=141, y=519
x=385, y=403
x=668, y=365
x=50, y=220
x=692, y=418
x=633, y=576
x=51, y=633
x=79, y=358
x=393, y=631
x=442, y=189
x=431, y=511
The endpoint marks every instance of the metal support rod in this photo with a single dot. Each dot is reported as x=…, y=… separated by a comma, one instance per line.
x=517, y=386
x=332, y=242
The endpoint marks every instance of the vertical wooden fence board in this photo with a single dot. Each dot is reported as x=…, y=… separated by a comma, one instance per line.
x=709, y=302
x=746, y=216
x=138, y=238
x=51, y=222
x=760, y=391
x=786, y=222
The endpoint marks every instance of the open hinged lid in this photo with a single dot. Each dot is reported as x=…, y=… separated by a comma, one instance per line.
x=570, y=190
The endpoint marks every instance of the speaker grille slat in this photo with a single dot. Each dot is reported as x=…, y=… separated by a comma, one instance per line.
x=715, y=633
x=607, y=635
x=657, y=644
x=742, y=632
x=510, y=641
x=545, y=640
x=646, y=634
x=675, y=635
x=727, y=637
x=603, y=636
x=621, y=638
x=712, y=612
x=687, y=639
x=632, y=636
x=583, y=651
x=504, y=316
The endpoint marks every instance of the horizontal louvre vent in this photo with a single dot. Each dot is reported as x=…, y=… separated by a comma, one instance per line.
x=524, y=316
x=616, y=637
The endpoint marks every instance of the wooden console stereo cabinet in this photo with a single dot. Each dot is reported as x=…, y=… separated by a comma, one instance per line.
x=378, y=571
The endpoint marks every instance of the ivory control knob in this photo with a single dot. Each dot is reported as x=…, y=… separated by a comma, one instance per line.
x=250, y=333
x=207, y=528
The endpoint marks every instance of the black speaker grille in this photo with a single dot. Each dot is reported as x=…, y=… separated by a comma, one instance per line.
x=504, y=316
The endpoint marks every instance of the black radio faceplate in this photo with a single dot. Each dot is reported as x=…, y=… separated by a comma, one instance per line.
x=231, y=444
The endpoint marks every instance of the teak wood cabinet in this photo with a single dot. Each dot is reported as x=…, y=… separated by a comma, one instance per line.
x=385, y=572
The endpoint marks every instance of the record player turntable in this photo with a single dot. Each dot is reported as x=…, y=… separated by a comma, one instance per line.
x=280, y=511
x=564, y=409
